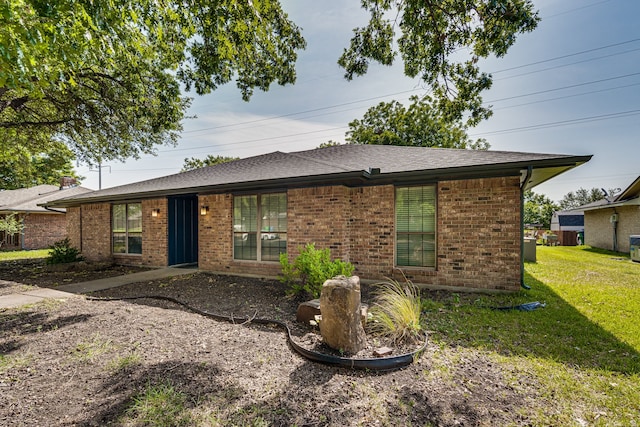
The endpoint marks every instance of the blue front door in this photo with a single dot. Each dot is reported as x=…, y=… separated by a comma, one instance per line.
x=183, y=230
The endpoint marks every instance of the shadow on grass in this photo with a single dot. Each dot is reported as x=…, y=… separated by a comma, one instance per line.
x=605, y=252
x=558, y=332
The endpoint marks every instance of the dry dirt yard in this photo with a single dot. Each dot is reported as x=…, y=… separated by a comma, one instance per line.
x=81, y=362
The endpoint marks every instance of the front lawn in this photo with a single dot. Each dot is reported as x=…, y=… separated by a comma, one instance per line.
x=582, y=349
x=574, y=362
x=14, y=255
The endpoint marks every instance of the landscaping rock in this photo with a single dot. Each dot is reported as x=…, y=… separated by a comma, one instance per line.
x=308, y=311
x=382, y=351
x=341, y=326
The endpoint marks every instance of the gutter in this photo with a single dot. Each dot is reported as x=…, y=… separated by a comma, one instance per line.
x=522, y=189
x=359, y=177
x=53, y=210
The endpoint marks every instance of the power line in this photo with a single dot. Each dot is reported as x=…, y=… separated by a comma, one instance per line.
x=414, y=90
x=561, y=123
x=566, y=87
x=569, y=64
x=302, y=112
x=566, y=97
x=255, y=140
x=566, y=56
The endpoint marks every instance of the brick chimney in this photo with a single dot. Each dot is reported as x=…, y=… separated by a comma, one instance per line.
x=67, y=182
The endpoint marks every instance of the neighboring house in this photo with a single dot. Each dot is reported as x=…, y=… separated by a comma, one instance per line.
x=42, y=226
x=568, y=220
x=568, y=225
x=609, y=224
x=443, y=217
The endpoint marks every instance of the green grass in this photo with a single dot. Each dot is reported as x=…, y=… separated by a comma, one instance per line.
x=582, y=349
x=9, y=362
x=88, y=351
x=126, y=362
x=14, y=255
x=159, y=405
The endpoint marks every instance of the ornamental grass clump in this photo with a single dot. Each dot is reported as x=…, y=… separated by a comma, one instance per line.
x=396, y=311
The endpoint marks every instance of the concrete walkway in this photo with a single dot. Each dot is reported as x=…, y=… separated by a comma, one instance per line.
x=65, y=291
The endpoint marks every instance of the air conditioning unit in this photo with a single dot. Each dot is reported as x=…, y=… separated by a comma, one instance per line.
x=634, y=248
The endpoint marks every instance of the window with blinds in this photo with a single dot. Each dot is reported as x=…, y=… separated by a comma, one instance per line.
x=260, y=227
x=126, y=228
x=416, y=226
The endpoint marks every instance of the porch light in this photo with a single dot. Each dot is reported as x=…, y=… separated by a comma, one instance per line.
x=155, y=212
x=204, y=209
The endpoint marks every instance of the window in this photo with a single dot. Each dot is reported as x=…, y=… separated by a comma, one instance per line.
x=416, y=226
x=126, y=228
x=260, y=227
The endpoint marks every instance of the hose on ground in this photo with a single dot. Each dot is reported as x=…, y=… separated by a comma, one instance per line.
x=378, y=364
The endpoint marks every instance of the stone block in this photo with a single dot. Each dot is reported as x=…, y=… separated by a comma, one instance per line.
x=341, y=326
x=308, y=311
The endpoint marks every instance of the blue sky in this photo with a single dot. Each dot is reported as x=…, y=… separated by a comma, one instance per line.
x=571, y=86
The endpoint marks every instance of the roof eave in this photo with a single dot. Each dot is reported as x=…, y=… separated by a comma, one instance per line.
x=351, y=178
x=630, y=202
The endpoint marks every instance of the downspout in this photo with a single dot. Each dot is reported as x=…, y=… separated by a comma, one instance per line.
x=615, y=232
x=522, y=186
x=80, y=215
x=21, y=234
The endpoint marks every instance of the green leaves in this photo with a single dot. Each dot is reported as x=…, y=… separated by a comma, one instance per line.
x=441, y=41
x=420, y=124
x=538, y=209
x=21, y=168
x=105, y=77
x=210, y=160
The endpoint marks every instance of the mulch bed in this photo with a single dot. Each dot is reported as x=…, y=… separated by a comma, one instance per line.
x=63, y=362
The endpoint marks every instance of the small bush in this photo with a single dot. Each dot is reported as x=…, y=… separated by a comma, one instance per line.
x=311, y=269
x=62, y=252
x=396, y=311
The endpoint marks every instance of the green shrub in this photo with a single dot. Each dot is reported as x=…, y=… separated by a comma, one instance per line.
x=396, y=311
x=62, y=252
x=311, y=269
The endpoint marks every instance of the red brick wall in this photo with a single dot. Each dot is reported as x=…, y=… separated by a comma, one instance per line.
x=372, y=231
x=478, y=235
x=215, y=233
x=43, y=230
x=73, y=227
x=89, y=229
x=154, y=233
x=319, y=215
x=95, y=231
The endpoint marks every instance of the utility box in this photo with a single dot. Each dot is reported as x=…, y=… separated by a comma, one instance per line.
x=530, y=249
x=634, y=248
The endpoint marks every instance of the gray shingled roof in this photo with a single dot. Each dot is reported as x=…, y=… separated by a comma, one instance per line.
x=336, y=164
x=31, y=199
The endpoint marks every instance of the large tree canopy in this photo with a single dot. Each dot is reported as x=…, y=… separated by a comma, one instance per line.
x=104, y=77
x=538, y=209
x=440, y=41
x=19, y=168
x=582, y=196
x=211, y=160
x=420, y=125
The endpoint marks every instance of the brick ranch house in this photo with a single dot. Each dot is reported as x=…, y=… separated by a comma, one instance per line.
x=42, y=227
x=609, y=223
x=446, y=218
